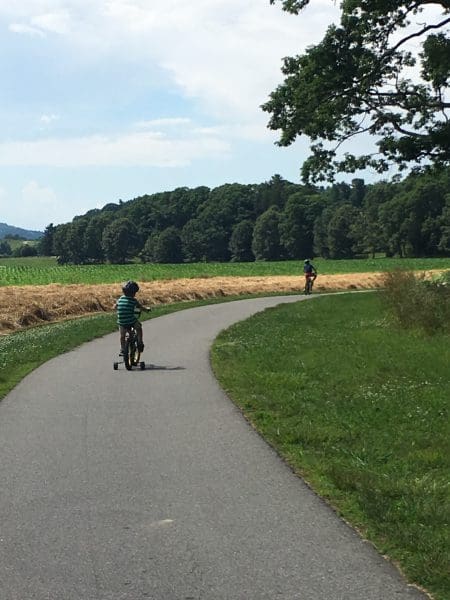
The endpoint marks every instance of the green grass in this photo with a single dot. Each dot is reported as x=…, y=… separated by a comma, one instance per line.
x=41, y=271
x=361, y=410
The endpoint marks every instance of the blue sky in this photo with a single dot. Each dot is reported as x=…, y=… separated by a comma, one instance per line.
x=104, y=100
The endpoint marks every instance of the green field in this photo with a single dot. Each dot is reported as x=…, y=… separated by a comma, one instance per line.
x=360, y=409
x=42, y=271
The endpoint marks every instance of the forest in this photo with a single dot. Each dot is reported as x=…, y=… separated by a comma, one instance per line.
x=275, y=220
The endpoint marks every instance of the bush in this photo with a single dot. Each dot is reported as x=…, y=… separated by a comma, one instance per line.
x=416, y=302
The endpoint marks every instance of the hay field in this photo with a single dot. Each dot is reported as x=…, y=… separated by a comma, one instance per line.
x=28, y=305
x=23, y=306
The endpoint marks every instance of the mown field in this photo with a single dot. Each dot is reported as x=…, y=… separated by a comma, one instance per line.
x=43, y=271
x=361, y=409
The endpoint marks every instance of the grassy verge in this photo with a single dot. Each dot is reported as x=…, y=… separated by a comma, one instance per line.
x=361, y=410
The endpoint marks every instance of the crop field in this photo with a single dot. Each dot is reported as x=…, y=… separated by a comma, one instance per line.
x=44, y=271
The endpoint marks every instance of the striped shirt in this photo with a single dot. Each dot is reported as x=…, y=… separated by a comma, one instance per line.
x=126, y=308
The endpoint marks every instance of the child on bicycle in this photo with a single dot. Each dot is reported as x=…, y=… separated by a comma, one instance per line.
x=128, y=310
x=310, y=272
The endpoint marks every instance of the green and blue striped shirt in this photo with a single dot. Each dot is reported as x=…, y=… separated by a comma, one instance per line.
x=127, y=310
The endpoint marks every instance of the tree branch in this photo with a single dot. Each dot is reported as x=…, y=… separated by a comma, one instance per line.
x=417, y=34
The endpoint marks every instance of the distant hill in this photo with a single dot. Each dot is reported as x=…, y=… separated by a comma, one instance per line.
x=27, y=234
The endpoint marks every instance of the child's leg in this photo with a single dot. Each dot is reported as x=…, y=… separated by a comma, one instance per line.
x=138, y=327
x=122, y=331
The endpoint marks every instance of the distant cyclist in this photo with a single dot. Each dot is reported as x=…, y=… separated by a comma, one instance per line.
x=310, y=272
x=128, y=309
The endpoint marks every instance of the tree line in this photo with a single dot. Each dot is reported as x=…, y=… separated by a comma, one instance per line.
x=275, y=220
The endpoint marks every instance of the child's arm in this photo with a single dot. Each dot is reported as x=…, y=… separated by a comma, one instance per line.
x=142, y=307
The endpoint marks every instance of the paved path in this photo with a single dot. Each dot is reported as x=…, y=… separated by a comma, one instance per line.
x=151, y=485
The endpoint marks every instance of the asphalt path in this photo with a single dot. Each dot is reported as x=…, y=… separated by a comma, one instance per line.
x=120, y=485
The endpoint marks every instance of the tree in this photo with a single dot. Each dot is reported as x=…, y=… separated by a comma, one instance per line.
x=28, y=250
x=119, y=240
x=272, y=193
x=74, y=241
x=340, y=235
x=266, y=235
x=241, y=242
x=205, y=239
x=412, y=220
x=165, y=247
x=444, y=242
x=358, y=192
x=5, y=248
x=46, y=242
x=60, y=247
x=92, y=241
x=321, y=245
x=297, y=225
x=356, y=81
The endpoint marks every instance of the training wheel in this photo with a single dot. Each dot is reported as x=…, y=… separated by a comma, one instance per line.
x=142, y=365
x=115, y=366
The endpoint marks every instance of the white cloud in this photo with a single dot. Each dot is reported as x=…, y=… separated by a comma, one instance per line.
x=32, y=193
x=39, y=205
x=33, y=206
x=57, y=22
x=47, y=119
x=166, y=123
x=26, y=29
x=226, y=54
x=151, y=149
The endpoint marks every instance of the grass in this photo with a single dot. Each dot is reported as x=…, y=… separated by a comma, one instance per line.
x=42, y=270
x=361, y=410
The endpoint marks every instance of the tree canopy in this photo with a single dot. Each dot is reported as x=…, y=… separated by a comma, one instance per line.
x=273, y=220
x=383, y=71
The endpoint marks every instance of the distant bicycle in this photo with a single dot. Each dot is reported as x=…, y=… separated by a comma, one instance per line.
x=309, y=282
x=131, y=353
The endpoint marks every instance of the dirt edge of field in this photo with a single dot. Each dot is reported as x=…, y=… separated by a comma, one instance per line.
x=25, y=306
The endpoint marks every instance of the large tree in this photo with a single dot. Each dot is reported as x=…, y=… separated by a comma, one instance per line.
x=266, y=235
x=365, y=77
x=120, y=240
x=46, y=242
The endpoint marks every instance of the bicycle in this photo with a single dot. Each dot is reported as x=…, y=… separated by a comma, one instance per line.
x=309, y=284
x=131, y=352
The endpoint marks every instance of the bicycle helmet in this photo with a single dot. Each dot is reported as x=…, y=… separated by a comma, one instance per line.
x=130, y=288
x=306, y=260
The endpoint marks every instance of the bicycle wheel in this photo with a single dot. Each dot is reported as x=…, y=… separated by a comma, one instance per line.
x=135, y=354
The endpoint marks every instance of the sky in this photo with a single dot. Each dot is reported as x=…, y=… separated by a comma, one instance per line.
x=107, y=100
x=102, y=100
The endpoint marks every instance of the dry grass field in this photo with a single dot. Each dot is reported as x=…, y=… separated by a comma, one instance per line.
x=22, y=306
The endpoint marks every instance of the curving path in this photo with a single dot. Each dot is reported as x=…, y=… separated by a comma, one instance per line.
x=151, y=485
